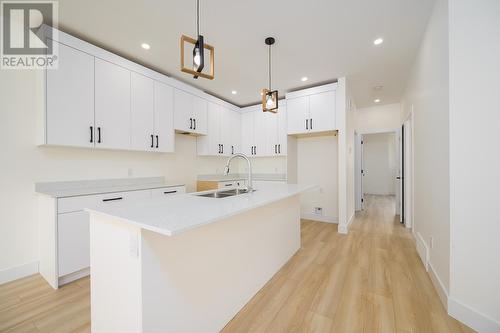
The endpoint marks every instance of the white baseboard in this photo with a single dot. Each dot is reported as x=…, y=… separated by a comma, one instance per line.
x=472, y=318
x=74, y=276
x=320, y=218
x=17, y=272
x=439, y=286
x=422, y=250
x=344, y=229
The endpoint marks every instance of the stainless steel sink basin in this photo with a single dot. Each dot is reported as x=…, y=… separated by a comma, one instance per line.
x=225, y=193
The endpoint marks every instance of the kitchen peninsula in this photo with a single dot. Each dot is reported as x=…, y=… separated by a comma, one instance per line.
x=190, y=262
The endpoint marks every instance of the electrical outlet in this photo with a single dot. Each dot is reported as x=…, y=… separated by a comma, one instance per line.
x=318, y=210
x=431, y=242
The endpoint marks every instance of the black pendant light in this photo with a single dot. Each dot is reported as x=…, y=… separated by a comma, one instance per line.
x=199, y=47
x=269, y=97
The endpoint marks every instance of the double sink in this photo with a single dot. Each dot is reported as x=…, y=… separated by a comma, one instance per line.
x=224, y=193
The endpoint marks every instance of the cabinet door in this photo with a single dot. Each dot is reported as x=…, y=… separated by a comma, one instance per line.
x=282, y=130
x=235, y=133
x=112, y=105
x=200, y=116
x=70, y=99
x=164, y=117
x=73, y=242
x=322, y=111
x=183, y=111
x=260, y=134
x=297, y=113
x=271, y=129
x=247, y=133
x=142, y=113
x=226, y=132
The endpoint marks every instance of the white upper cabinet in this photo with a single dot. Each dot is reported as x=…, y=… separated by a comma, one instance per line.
x=142, y=113
x=247, y=133
x=282, y=130
x=70, y=100
x=223, y=132
x=112, y=105
x=322, y=111
x=164, y=117
x=190, y=113
x=311, y=110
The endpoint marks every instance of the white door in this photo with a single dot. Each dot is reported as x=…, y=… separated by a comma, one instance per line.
x=260, y=134
x=247, y=133
x=271, y=130
x=142, y=113
x=282, y=130
x=358, y=161
x=183, y=111
x=73, y=242
x=200, y=116
x=112, y=105
x=297, y=113
x=322, y=111
x=70, y=99
x=164, y=117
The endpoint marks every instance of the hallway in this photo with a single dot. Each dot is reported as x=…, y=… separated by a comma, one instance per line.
x=368, y=281
x=371, y=280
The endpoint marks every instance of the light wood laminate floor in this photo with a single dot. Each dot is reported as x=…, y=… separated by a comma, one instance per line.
x=368, y=281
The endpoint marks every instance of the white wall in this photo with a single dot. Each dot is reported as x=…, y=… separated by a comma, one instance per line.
x=22, y=164
x=379, y=163
x=475, y=157
x=427, y=92
x=317, y=164
x=377, y=118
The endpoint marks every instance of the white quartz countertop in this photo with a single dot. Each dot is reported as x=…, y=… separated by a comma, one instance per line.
x=91, y=187
x=173, y=215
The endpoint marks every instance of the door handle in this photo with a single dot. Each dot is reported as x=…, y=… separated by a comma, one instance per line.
x=190, y=123
x=91, y=134
x=157, y=142
x=152, y=139
x=98, y=135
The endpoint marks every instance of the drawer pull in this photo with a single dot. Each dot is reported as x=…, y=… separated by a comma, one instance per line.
x=170, y=192
x=112, y=199
x=228, y=185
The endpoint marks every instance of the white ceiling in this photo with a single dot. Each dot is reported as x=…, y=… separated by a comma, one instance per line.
x=320, y=39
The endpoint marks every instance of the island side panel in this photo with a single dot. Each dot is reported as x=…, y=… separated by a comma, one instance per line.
x=115, y=276
x=199, y=280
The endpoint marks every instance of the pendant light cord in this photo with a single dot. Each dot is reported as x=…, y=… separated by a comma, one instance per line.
x=269, y=67
x=197, y=17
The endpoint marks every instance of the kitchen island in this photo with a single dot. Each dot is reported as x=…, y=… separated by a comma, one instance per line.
x=188, y=263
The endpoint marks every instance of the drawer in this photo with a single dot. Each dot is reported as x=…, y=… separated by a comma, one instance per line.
x=74, y=204
x=231, y=184
x=165, y=191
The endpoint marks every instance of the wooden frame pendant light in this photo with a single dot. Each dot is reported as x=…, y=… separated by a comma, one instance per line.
x=199, y=48
x=269, y=96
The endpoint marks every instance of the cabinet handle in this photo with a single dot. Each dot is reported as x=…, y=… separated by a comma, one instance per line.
x=279, y=148
x=194, y=120
x=98, y=135
x=222, y=148
x=219, y=147
x=190, y=123
x=255, y=149
x=91, y=134
x=275, y=149
x=228, y=185
x=307, y=123
x=157, y=142
x=170, y=192
x=112, y=199
x=152, y=141
x=252, y=150
x=232, y=150
x=311, y=123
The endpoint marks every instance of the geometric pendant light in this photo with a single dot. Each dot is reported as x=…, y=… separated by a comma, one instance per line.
x=200, y=49
x=269, y=97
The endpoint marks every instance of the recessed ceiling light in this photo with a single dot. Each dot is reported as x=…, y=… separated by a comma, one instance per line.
x=377, y=100
x=378, y=41
x=145, y=46
x=304, y=79
x=234, y=92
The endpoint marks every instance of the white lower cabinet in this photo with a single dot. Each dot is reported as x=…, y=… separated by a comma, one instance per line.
x=68, y=223
x=73, y=242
